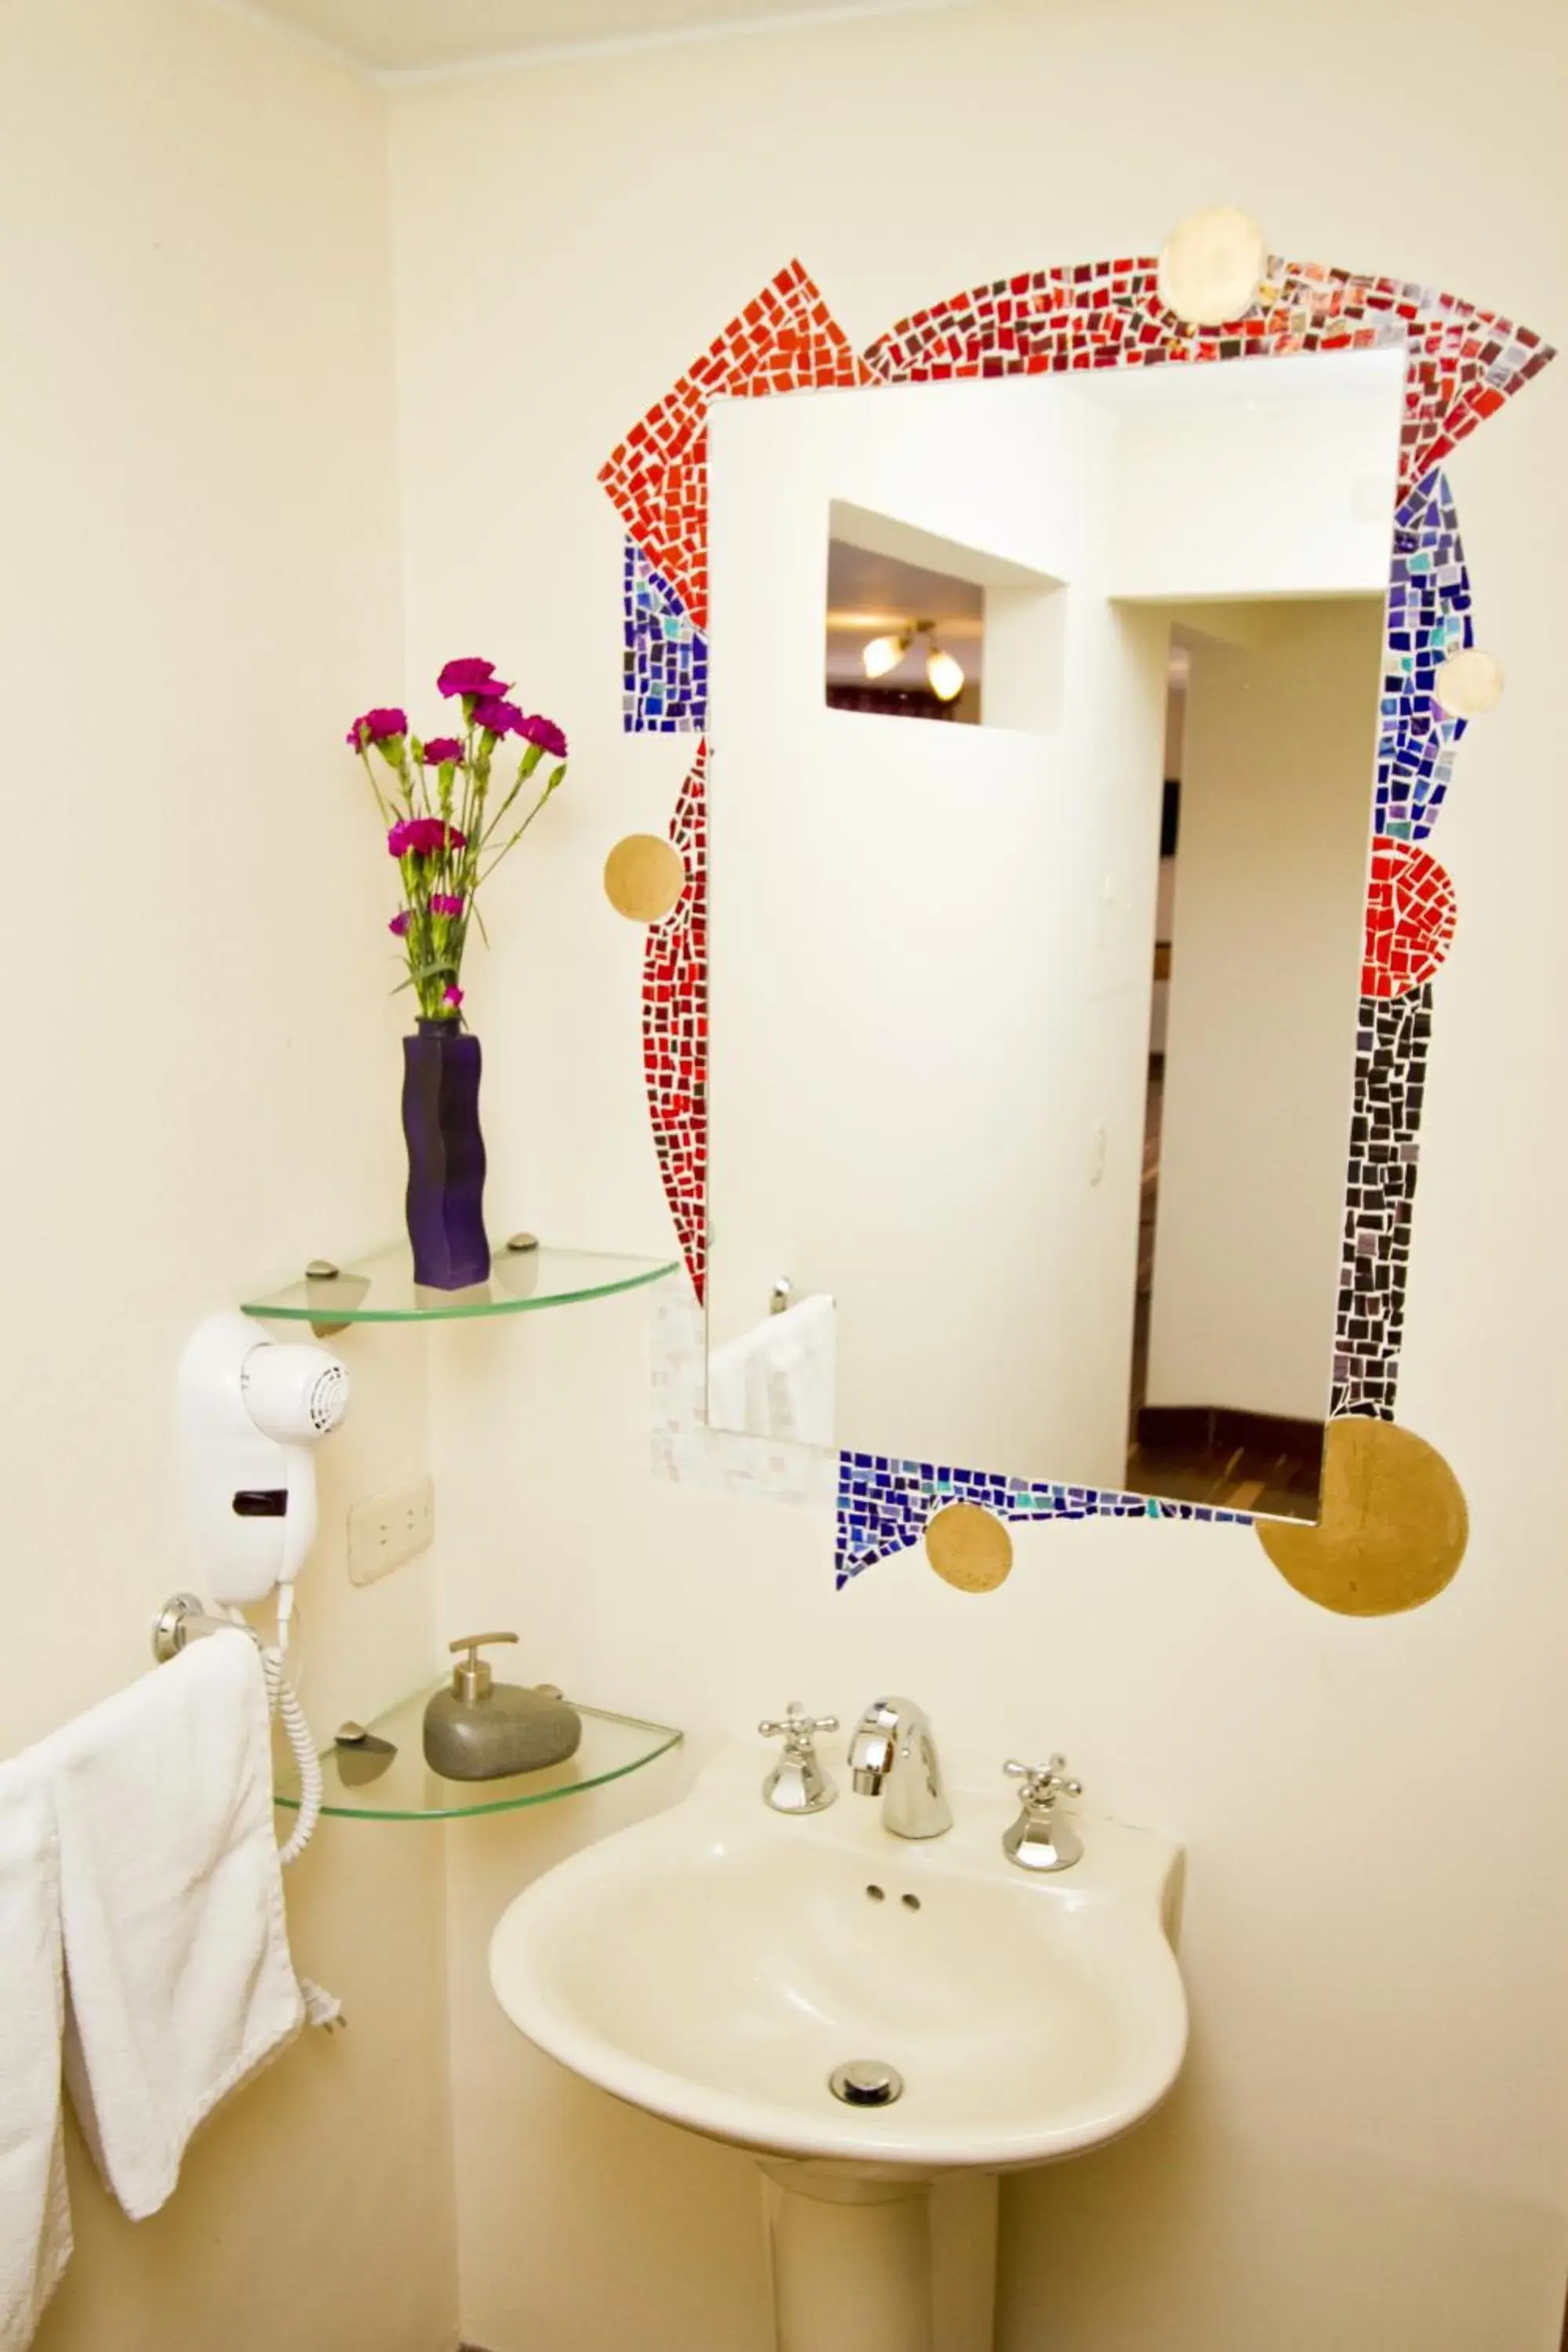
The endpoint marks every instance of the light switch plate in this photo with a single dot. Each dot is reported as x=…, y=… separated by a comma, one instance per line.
x=386, y=1529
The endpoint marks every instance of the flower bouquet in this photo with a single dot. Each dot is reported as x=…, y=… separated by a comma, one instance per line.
x=448, y=821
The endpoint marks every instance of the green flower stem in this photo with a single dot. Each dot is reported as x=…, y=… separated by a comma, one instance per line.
x=491, y=829
x=552, y=786
x=385, y=812
x=400, y=769
x=525, y=768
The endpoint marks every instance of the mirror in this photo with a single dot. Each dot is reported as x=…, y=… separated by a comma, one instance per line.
x=1032, y=1040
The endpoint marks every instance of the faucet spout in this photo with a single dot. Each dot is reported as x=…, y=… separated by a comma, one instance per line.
x=892, y=1755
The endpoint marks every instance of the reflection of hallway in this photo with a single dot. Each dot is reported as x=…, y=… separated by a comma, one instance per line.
x=1200, y=1453
x=1147, y=1204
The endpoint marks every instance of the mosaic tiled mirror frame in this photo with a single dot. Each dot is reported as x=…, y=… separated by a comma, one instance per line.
x=1462, y=365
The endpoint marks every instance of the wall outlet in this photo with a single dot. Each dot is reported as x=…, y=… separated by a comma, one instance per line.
x=386, y=1529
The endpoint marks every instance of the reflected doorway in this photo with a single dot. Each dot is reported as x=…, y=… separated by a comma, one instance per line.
x=1236, y=1446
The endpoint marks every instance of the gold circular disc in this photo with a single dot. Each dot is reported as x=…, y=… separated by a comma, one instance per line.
x=1394, y=1526
x=644, y=876
x=968, y=1547
x=1212, y=265
x=1468, y=683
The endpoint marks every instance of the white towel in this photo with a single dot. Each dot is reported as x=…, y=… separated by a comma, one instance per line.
x=176, y=1948
x=34, y=2219
x=777, y=1379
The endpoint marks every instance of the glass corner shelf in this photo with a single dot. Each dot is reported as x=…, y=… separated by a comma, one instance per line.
x=381, y=1288
x=401, y=1787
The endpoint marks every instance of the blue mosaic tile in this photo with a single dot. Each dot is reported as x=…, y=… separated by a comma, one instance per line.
x=664, y=656
x=1429, y=619
x=884, y=1503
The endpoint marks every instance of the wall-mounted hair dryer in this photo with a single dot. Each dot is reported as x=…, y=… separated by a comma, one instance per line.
x=250, y=1409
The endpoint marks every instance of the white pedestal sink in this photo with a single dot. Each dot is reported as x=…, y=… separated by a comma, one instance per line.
x=717, y=1963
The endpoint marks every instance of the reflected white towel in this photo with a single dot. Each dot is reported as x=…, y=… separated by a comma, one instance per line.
x=176, y=1950
x=34, y=2219
x=777, y=1379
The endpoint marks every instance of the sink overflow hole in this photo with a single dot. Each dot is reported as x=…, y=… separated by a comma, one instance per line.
x=876, y=1894
x=910, y=1902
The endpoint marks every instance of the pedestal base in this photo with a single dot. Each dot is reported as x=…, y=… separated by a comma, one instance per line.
x=889, y=2264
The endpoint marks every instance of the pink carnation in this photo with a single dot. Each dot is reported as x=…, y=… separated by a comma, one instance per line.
x=376, y=726
x=423, y=837
x=498, y=717
x=400, y=922
x=546, y=733
x=442, y=902
x=470, y=677
x=453, y=996
x=440, y=748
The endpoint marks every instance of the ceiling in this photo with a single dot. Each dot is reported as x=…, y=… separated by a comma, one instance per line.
x=415, y=36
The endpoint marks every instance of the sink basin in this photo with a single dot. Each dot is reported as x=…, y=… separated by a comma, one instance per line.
x=717, y=1963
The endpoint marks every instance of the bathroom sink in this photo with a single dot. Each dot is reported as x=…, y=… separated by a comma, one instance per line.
x=717, y=1963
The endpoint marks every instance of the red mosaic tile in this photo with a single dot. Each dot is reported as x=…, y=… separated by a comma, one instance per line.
x=784, y=341
x=1411, y=913
x=675, y=1028
x=1464, y=363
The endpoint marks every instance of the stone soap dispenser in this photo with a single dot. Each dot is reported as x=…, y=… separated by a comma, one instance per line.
x=480, y=1729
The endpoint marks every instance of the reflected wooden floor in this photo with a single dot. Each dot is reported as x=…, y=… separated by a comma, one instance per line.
x=1234, y=1462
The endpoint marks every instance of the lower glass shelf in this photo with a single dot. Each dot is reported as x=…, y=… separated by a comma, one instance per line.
x=370, y=1785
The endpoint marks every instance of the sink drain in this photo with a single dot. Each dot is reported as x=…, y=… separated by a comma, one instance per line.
x=867, y=2083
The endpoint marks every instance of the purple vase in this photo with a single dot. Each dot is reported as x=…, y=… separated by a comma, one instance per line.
x=446, y=1157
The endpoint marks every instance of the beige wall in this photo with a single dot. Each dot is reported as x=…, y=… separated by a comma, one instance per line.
x=1369, y=2148
x=198, y=587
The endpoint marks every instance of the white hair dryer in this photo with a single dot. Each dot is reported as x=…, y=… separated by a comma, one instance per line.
x=251, y=1411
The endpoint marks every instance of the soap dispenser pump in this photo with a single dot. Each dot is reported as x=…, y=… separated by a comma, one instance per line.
x=479, y=1729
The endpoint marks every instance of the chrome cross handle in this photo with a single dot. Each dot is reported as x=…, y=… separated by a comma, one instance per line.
x=796, y=1727
x=797, y=1783
x=1038, y=1839
x=1044, y=1783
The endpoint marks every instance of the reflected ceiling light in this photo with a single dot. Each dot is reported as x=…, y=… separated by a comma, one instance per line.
x=880, y=655
x=944, y=675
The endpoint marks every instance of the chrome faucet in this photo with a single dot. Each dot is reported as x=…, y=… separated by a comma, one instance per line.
x=892, y=1755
